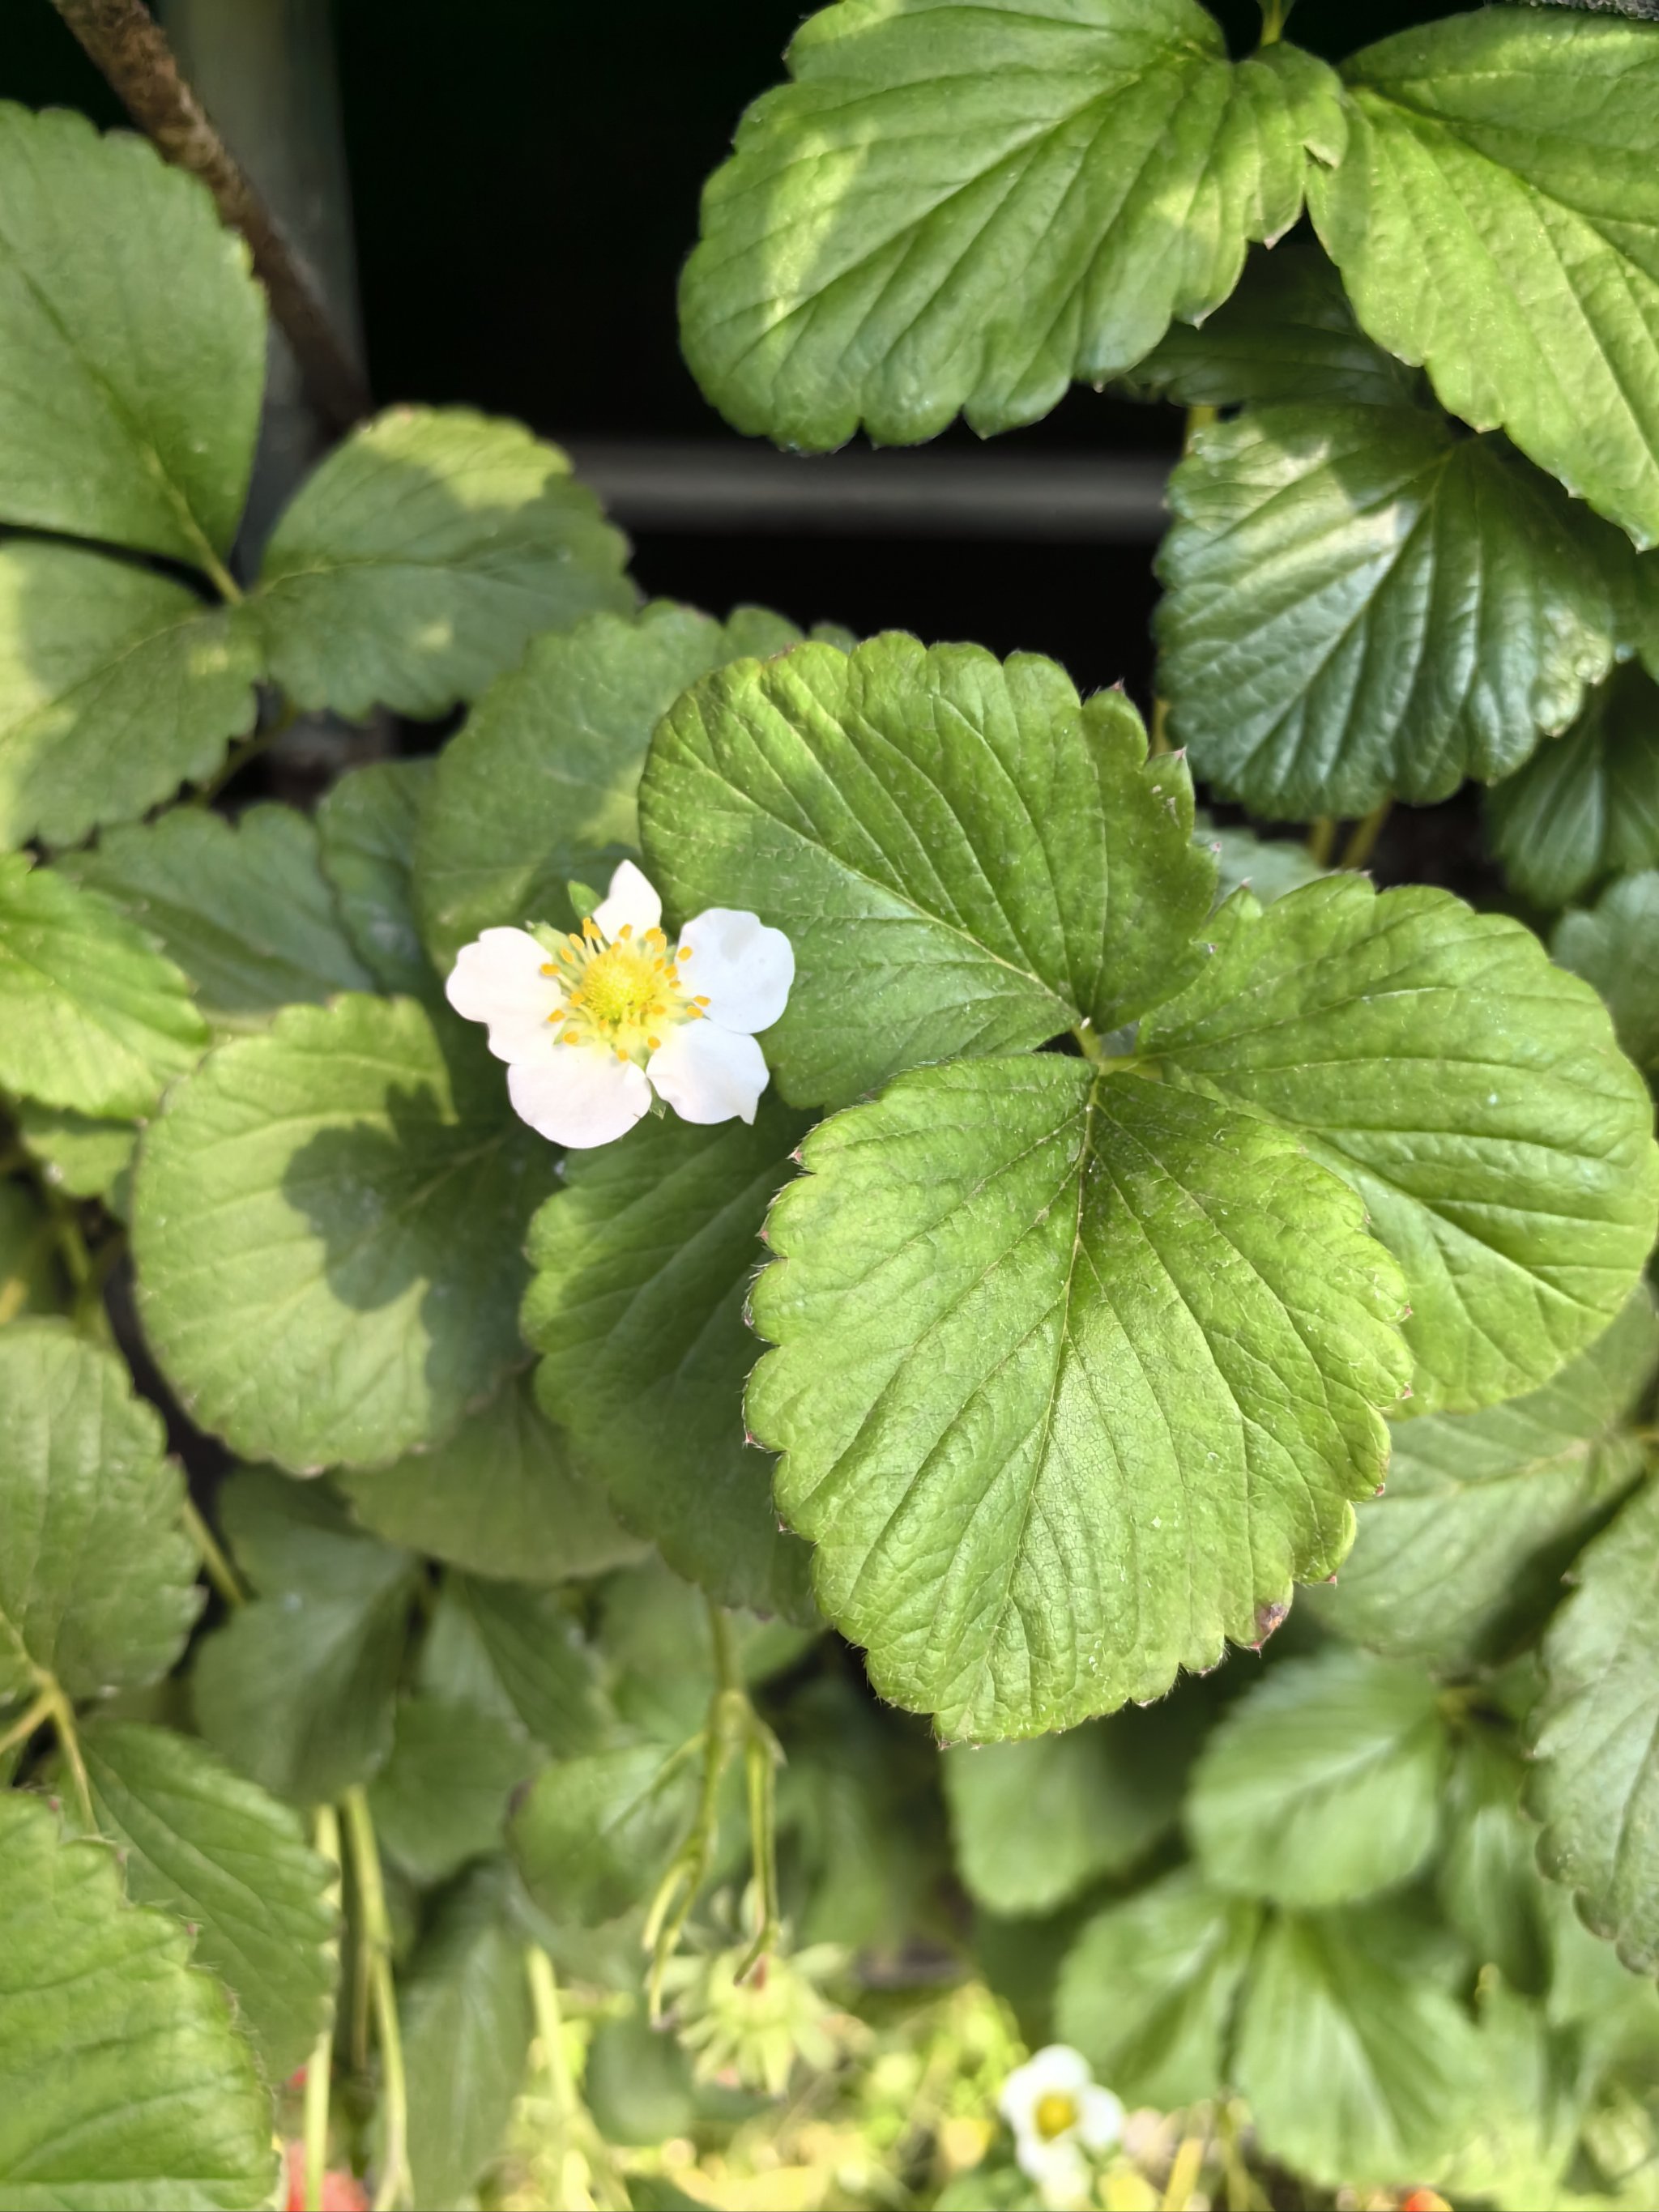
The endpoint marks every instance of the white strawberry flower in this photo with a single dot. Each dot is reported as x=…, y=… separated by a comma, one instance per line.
x=1059, y=2112
x=591, y=1023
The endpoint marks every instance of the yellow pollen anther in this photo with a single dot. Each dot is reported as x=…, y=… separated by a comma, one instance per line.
x=548, y=968
x=624, y=933
x=1055, y=2114
x=700, y=1002
x=685, y=952
x=655, y=1043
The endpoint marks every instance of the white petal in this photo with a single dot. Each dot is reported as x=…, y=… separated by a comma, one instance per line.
x=582, y=1095
x=740, y=966
x=708, y=1074
x=1057, y=2067
x=1058, y=2169
x=630, y=900
x=498, y=979
x=1100, y=2118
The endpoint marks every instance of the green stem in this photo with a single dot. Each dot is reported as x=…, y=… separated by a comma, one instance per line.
x=27, y=1723
x=1275, y=13
x=89, y=1315
x=1322, y=840
x=61, y=1714
x=1184, y=2173
x=319, y=2067
x=244, y=751
x=762, y=1756
x=1362, y=842
x=375, y=1935
x=219, y=1570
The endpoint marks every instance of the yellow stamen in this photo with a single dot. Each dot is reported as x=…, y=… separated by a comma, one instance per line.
x=1055, y=2114
x=655, y=1043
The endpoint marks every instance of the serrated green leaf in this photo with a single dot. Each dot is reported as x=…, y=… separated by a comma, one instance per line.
x=965, y=858
x=541, y=783
x=31, y=1279
x=595, y=1834
x=1269, y=865
x=642, y=1267
x=1148, y=1990
x=965, y=208
x=501, y=1496
x=133, y=343
x=1481, y=1511
x=1494, y=218
x=1615, y=948
x=421, y=558
x=366, y=827
x=217, y=1852
x=126, y=2083
x=244, y=911
x=1596, y=1774
x=442, y=1798
x=79, y=1154
x=1488, y=1882
x=1362, y=604
x=516, y=1652
x=1322, y=1785
x=117, y=686
x=91, y=1017
x=326, y=1220
x=1468, y=1091
x=296, y=1689
x=1357, y=2068
x=1077, y=1373
x=1587, y=806
x=97, y=1578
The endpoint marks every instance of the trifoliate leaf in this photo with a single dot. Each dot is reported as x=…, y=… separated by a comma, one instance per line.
x=133, y=343
x=117, y=686
x=126, y=2083
x=516, y=1652
x=79, y=1154
x=642, y=1267
x=1488, y=1882
x=466, y=2025
x=245, y=911
x=421, y=557
x=1493, y=219
x=1362, y=603
x=97, y=1578
x=1587, y=806
x=1356, y=2067
x=1469, y=1091
x=965, y=859
x=965, y=208
x=91, y=1017
x=1615, y=948
x=296, y=1689
x=367, y=824
x=1596, y=1777
x=1322, y=1785
x=595, y=1834
x=501, y=1496
x=1270, y=865
x=442, y=1798
x=326, y=1222
x=1482, y=1510
x=1148, y=1990
x=218, y=1852
x=32, y=1281
x=540, y=784
x=1079, y=1373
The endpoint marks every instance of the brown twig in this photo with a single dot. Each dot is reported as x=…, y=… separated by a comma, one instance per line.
x=130, y=46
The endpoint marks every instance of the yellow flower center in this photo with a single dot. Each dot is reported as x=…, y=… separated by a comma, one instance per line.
x=1056, y=2113
x=622, y=993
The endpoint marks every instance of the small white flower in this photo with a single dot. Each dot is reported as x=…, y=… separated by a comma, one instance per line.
x=1058, y=2111
x=591, y=1023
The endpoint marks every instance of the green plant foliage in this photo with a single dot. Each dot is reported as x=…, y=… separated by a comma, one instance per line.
x=126, y=2083
x=82, y=1155
x=1588, y=806
x=324, y=1219
x=366, y=827
x=516, y=1652
x=1270, y=867
x=594, y=1834
x=1615, y=947
x=843, y=277
x=97, y=1578
x=421, y=557
x=1489, y=1885
x=441, y=1797
x=29, y=1266
x=216, y=1850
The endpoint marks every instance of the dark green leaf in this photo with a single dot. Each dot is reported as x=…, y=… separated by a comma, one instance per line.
x=1488, y=1883
x=31, y=1278
x=1269, y=865
x=595, y=1834
x=1616, y=949
x=1587, y=806
x=658, y=1643
x=442, y=1798
x=517, y=1653
x=367, y=825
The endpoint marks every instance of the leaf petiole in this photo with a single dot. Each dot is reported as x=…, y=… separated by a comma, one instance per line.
x=375, y=1935
x=320, y=2066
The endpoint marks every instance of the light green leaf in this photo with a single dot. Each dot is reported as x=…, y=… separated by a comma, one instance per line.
x=1494, y=217
x=501, y=1496
x=296, y=1689
x=1362, y=603
x=1468, y=1091
x=1322, y=1785
x=245, y=912
x=1588, y=806
x=1615, y=948
x=126, y=2084
x=1079, y=1373
x=1488, y=1882
x=1357, y=2069
x=1148, y=1990
x=117, y=686
x=441, y=1797
x=595, y=1834
x=517, y=1653
x=217, y=1852
x=80, y=1155
x=1596, y=1775
x=965, y=858
x=1466, y=1546
x=91, y=1017
x=642, y=1267
x=421, y=558
x=965, y=208
x=467, y=2023
x=97, y=1578
x=326, y=1222
x=658, y=1644
x=133, y=343
x=1269, y=865
x=367, y=824
x=540, y=784
x=32, y=1281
